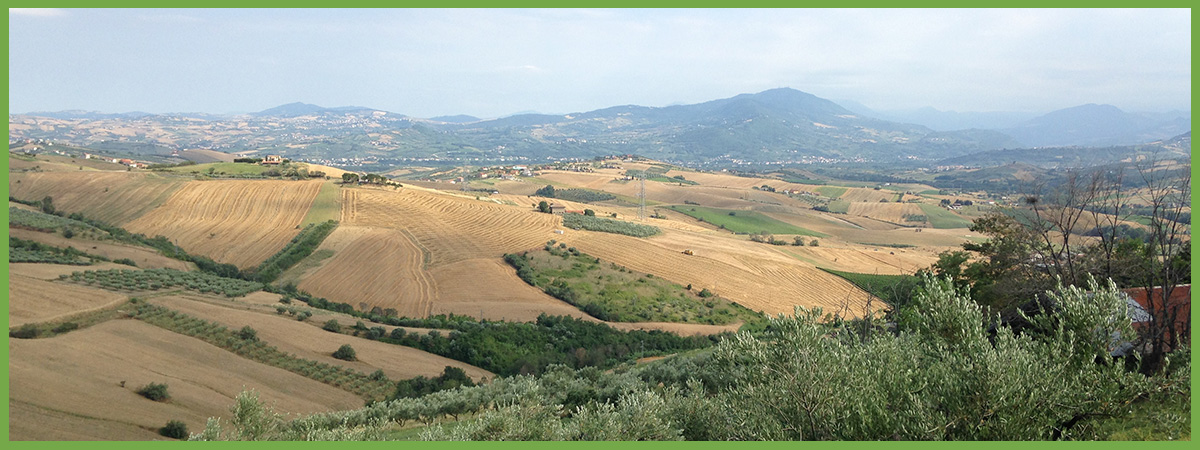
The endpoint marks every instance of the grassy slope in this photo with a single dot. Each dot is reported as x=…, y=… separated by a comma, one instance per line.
x=612, y=292
x=831, y=191
x=743, y=221
x=942, y=218
x=326, y=206
x=889, y=288
x=226, y=167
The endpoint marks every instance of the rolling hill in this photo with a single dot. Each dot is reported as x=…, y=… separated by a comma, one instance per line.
x=778, y=124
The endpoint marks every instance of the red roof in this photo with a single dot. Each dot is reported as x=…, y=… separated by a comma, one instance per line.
x=1179, y=303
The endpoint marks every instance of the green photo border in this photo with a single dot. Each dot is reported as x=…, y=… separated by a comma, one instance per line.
x=4, y=428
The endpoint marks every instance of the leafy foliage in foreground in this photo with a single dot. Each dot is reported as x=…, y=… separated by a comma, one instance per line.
x=938, y=375
x=155, y=279
x=593, y=223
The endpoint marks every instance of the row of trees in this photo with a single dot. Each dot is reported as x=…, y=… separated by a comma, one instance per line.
x=370, y=178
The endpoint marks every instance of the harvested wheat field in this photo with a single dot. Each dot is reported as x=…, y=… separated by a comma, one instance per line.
x=943, y=239
x=880, y=260
x=489, y=288
x=232, y=221
x=887, y=212
x=52, y=271
x=32, y=300
x=869, y=195
x=307, y=340
x=772, y=283
x=112, y=197
x=145, y=258
x=378, y=266
x=69, y=387
x=449, y=227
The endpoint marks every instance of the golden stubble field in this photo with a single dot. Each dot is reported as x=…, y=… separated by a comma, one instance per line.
x=424, y=252
x=112, y=197
x=33, y=298
x=69, y=387
x=145, y=258
x=241, y=222
x=307, y=340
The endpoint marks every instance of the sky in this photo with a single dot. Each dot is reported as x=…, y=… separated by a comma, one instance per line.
x=491, y=63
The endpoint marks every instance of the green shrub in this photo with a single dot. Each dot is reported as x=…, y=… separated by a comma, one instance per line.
x=345, y=353
x=333, y=326
x=27, y=331
x=248, y=334
x=155, y=391
x=65, y=327
x=175, y=430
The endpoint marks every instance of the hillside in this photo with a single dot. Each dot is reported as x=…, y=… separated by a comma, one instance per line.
x=771, y=125
x=1095, y=125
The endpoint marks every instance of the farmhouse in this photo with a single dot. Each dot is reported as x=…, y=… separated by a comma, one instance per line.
x=556, y=208
x=272, y=159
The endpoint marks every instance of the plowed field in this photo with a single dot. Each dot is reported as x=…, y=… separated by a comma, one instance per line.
x=236, y=221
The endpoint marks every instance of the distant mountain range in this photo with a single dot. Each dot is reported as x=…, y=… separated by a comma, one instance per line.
x=1084, y=125
x=1096, y=125
x=778, y=125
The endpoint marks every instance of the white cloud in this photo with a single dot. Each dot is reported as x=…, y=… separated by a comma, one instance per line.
x=36, y=12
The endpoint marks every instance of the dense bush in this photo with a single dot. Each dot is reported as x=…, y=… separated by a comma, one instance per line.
x=332, y=325
x=593, y=223
x=345, y=353
x=451, y=378
x=248, y=334
x=27, y=331
x=155, y=391
x=174, y=429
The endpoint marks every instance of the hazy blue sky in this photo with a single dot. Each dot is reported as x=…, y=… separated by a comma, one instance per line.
x=490, y=63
